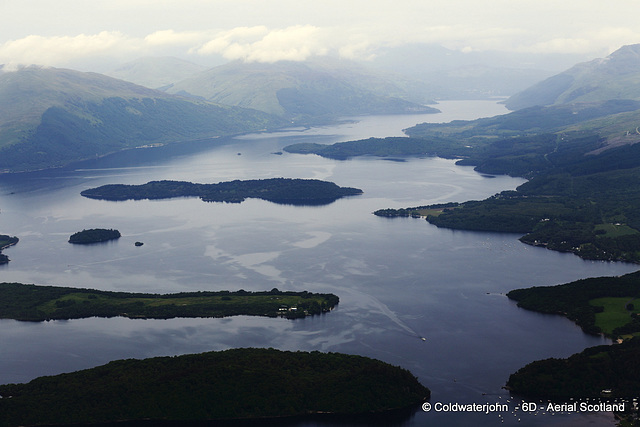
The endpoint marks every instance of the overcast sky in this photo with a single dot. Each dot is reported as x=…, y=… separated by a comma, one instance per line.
x=63, y=32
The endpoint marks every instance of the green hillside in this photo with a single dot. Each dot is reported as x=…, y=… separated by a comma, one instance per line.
x=615, y=77
x=50, y=117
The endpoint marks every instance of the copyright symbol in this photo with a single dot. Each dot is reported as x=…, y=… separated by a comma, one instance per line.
x=426, y=406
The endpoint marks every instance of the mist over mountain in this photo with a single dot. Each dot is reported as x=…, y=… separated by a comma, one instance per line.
x=300, y=90
x=416, y=72
x=615, y=77
x=156, y=72
x=50, y=117
x=452, y=74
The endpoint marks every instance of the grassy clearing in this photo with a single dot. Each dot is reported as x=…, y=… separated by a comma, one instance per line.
x=432, y=212
x=615, y=230
x=615, y=312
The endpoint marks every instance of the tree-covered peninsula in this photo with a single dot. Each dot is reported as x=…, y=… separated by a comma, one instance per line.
x=38, y=303
x=610, y=370
x=227, y=385
x=582, y=195
x=5, y=242
x=94, y=235
x=277, y=190
x=599, y=305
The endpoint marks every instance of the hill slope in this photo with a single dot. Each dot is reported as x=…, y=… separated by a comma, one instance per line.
x=50, y=117
x=615, y=77
x=298, y=91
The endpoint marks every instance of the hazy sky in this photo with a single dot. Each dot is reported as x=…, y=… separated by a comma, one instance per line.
x=64, y=32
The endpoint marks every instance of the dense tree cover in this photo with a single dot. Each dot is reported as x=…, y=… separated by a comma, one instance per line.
x=277, y=190
x=574, y=300
x=36, y=303
x=94, y=235
x=583, y=375
x=231, y=384
x=575, y=201
x=5, y=242
x=595, y=215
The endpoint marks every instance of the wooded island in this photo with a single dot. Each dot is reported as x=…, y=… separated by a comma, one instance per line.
x=5, y=242
x=38, y=303
x=276, y=190
x=232, y=384
x=94, y=235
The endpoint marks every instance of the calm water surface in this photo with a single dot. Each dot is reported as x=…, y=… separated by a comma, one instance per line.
x=397, y=279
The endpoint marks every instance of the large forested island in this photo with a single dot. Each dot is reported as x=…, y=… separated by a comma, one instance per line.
x=38, y=303
x=226, y=385
x=277, y=190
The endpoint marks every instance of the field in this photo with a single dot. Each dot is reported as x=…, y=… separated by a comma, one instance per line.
x=615, y=312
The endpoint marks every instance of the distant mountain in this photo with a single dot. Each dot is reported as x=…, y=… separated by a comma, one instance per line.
x=436, y=72
x=477, y=82
x=156, y=72
x=299, y=91
x=50, y=117
x=615, y=77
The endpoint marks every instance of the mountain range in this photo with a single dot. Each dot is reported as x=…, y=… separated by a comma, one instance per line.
x=50, y=117
x=615, y=77
x=301, y=90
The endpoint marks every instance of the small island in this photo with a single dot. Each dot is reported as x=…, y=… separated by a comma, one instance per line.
x=94, y=235
x=237, y=384
x=276, y=190
x=39, y=303
x=5, y=242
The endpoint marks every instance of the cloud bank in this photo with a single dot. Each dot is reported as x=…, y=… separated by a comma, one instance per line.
x=299, y=42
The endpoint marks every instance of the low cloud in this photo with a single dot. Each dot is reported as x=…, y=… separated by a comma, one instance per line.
x=57, y=51
x=298, y=43
x=175, y=38
x=560, y=45
x=259, y=44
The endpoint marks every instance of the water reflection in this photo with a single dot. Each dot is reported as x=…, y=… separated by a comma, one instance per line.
x=398, y=280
